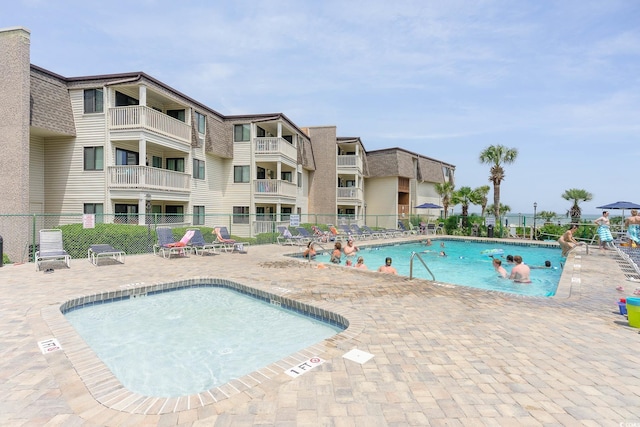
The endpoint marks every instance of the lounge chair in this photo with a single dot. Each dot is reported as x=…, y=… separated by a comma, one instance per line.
x=360, y=233
x=200, y=246
x=51, y=248
x=167, y=245
x=321, y=236
x=95, y=252
x=304, y=235
x=347, y=231
x=376, y=234
x=227, y=243
x=286, y=238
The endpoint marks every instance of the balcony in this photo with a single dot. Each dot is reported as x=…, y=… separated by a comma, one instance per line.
x=271, y=149
x=349, y=195
x=145, y=118
x=144, y=177
x=274, y=187
x=349, y=163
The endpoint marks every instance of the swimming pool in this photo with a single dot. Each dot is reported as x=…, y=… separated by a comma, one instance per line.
x=466, y=265
x=193, y=339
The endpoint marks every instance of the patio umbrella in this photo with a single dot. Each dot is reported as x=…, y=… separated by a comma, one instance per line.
x=428, y=206
x=620, y=205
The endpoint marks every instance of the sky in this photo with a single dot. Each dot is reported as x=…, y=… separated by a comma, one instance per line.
x=557, y=80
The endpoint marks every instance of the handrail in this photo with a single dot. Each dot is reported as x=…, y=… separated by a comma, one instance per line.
x=413, y=255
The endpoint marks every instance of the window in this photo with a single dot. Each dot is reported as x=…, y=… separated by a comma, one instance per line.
x=241, y=133
x=123, y=100
x=260, y=133
x=198, y=169
x=174, y=214
x=176, y=114
x=241, y=214
x=201, y=122
x=93, y=158
x=93, y=101
x=198, y=215
x=97, y=209
x=285, y=176
x=126, y=214
x=285, y=214
x=288, y=138
x=126, y=157
x=241, y=174
x=175, y=164
x=299, y=179
x=156, y=162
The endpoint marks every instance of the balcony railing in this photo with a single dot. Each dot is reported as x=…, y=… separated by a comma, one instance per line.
x=350, y=161
x=136, y=116
x=351, y=193
x=148, y=178
x=274, y=145
x=274, y=187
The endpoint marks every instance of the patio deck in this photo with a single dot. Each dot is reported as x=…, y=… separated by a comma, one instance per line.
x=443, y=355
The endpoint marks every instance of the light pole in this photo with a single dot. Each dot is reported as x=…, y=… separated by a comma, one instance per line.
x=147, y=219
x=535, y=207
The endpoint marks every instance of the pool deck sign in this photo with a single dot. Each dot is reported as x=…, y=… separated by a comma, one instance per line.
x=304, y=367
x=50, y=345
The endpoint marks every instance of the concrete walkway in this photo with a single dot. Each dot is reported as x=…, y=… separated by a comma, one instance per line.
x=443, y=355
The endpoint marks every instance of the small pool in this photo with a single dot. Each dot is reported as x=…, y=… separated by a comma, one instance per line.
x=184, y=341
x=465, y=264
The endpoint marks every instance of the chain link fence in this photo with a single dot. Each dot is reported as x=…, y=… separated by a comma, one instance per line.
x=136, y=234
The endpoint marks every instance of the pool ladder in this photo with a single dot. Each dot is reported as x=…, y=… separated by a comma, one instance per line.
x=413, y=255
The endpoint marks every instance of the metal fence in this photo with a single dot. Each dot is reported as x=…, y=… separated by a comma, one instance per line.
x=136, y=234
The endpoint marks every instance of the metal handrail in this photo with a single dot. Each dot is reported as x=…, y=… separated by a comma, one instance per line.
x=413, y=255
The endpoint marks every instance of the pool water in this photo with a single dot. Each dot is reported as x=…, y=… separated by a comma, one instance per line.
x=466, y=265
x=190, y=340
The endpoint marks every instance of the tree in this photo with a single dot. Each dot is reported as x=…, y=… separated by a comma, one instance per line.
x=496, y=155
x=482, y=192
x=577, y=195
x=503, y=210
x=465, y=196
x=547, y=216
x=445, y=190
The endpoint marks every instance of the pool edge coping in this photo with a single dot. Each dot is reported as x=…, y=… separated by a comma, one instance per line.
x=78, y=362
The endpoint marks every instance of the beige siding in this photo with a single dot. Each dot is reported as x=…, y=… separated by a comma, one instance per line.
x=381, y=195
x=36, y=174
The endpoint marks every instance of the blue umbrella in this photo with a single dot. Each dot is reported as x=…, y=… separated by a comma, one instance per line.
x=620, y=205
x=428, y=206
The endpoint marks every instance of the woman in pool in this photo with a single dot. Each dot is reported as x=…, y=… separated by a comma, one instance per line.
x=336, y=255
x=360, y=263
x=603, y=230
x=310, y=252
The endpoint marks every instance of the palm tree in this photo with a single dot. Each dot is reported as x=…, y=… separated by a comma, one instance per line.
x=496, y=155
x=482, y=192
x=547, y=216
x=465, y=196
x=445, y=190
x=577, y=195
x=503, y=210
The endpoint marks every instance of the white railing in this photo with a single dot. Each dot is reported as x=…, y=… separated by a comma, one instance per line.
x=349, y=161
x=260, y=227
x=274, y=187
x=137, y=116
x=349, y=193
x=147, y=177
x=273, y=145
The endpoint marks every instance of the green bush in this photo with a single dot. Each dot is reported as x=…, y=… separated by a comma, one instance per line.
x=5, y=259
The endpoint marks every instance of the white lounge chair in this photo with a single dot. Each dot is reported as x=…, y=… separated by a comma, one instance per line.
x=51, y=248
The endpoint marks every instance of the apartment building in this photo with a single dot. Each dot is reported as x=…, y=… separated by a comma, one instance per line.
x=129, y=148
